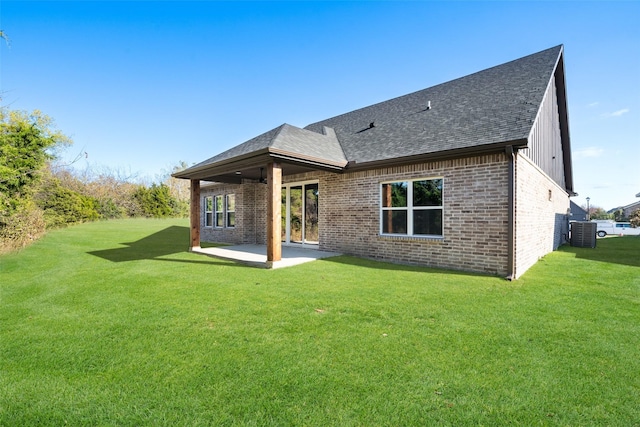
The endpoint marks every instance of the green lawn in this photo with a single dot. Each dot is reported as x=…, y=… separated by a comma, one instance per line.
x=114, y=323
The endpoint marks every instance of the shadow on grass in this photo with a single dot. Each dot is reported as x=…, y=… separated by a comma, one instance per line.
x=614, y=250
x=382, y=265
x=172, y=240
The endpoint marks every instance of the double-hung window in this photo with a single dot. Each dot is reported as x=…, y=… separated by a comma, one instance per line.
x=231, y=210
x=219, y=206
x=220, y=211
x=208, y=211
x=412, y=207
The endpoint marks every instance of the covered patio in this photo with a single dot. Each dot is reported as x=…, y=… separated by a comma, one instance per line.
x=256, y=255
x=280, y=151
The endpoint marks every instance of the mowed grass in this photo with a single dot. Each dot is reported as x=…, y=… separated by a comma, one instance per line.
x=115, y=323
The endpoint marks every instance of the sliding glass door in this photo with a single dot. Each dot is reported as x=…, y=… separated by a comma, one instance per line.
x=300, y=213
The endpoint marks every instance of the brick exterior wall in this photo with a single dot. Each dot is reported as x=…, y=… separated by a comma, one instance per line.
x=542, y=224
x=250, y=214
x=475, y=194
x=475, y=216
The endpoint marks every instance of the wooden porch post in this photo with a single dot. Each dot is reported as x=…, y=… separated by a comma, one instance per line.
x=274, y=215
x=195, y=214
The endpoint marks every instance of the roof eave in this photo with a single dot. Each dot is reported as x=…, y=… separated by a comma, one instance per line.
x=563, y=112
x=257, y=159
x=250, y=159
x=439, y=155
x=308, y=160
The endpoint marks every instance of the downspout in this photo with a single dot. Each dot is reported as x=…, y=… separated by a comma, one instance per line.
x=511, y=213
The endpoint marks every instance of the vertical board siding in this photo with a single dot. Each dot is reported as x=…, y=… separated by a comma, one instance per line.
x=545, y=142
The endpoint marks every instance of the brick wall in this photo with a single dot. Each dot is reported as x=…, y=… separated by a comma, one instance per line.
x=475, y=228
x=475, y=215
x=541, y=220
x=224, y=234
x=251, y=213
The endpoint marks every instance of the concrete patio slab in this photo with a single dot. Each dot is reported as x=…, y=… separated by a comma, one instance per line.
x=256, y=255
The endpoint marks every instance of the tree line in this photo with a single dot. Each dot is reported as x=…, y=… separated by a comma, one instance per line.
x=618, y=215
x=37, y=193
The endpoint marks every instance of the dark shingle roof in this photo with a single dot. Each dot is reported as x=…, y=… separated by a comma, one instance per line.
x=492, y=106
x=324, y=146
x=471, y=114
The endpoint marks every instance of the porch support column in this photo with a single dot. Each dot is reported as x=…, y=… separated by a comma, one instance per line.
x=195, y=214
x=274, y=215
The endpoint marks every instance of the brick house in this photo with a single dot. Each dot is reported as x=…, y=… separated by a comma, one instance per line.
x=474, y=174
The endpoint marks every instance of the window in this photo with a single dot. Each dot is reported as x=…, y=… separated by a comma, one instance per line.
x=231, y=210
x=412, y=208
x=220, y=211
x=219, y=205
x=208, y=211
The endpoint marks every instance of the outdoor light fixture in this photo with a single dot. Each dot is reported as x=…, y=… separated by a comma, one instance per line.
x=588, y=213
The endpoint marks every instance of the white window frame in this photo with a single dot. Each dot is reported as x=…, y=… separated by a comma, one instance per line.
x=217, y=224
x=208, y=212
x=228, y=211
x=410, y=209
x=287, y=214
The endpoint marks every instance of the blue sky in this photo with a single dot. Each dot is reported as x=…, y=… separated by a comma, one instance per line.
x=142, y=85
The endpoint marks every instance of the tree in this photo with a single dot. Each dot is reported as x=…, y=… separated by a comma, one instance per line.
x=618, y=215
x=156, y=201
x=634, y=219
x=178, y=188
x=4, y=36
x=599, y=213
x=112, y=189
x=63, y=206
x=27, y=141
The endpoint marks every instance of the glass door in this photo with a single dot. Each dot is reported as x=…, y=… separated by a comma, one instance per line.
x=300, y=213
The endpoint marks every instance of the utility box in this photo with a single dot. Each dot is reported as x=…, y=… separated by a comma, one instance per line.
x=583, y=234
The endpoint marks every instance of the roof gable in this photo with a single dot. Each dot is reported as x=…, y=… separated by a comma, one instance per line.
x=302, y=143
x=283, y=142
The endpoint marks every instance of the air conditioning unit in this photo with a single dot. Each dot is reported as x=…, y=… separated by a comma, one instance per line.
x=583, y=234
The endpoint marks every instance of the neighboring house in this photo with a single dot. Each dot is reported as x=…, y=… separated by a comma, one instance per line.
x=577, y=212
x=474, y=174
x=626, y=210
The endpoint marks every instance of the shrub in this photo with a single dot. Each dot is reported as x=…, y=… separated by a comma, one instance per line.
x=156, y=201
x=63, y=206
x=635, y=218
x=109, y=210
x=21, y=228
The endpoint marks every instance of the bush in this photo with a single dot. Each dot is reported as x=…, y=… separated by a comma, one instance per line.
x=21, y=228
x=635, y=218
x=63, y=206
x=156, y=201
x=109, y=210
